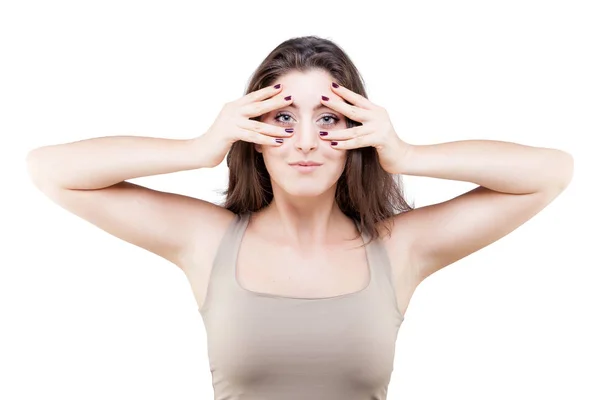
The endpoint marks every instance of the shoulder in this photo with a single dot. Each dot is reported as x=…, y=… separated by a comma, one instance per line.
x=397, y=236
x=207, y=237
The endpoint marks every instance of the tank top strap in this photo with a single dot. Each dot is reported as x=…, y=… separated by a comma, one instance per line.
x=224, y=261
x=221, y=280
x=381, y=270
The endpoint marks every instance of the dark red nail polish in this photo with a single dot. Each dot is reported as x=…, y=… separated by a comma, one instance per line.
x=322, y=133
x=335, y=85
x=287, y=98
x=334, y=143
x=279, y=140
x=277, y=86
x=325, y=98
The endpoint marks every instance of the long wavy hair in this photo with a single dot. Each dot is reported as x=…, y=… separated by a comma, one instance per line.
x=365, y=192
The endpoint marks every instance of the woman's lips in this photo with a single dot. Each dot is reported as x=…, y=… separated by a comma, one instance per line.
x=305, y=168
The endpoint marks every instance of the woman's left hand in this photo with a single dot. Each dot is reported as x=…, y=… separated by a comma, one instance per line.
x=376, y=129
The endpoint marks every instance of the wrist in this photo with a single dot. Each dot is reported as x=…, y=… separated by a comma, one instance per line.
x=405, y=155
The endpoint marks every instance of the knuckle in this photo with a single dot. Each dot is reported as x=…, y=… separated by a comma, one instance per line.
x=256, y=109
x=244, y=111
x=243, y=134
x=256, y=96
x=256, y=126
x=251, y=136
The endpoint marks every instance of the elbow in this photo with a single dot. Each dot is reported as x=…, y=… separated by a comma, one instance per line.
x=561, y=173
x=34, y=167
x=567, y=167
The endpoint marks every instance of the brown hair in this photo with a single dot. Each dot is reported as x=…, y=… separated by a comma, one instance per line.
x=365, y=192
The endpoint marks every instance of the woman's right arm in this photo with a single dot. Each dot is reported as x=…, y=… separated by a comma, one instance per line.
x=88, y=179
x=101, y=162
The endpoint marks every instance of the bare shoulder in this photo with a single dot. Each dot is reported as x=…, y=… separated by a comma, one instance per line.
x=205, y=240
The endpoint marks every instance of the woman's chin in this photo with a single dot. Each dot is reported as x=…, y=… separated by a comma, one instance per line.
x=305, y=193
x=305, y=190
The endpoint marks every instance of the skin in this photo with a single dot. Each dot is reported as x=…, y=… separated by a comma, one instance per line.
x=303, y=209
x=514, y=183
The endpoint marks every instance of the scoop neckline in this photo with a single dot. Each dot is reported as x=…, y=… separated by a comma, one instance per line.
x=292, y=298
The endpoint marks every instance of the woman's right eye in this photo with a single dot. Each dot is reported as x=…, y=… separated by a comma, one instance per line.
x=282, y=115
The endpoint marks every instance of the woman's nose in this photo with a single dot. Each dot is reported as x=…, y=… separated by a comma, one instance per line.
x=306, y=136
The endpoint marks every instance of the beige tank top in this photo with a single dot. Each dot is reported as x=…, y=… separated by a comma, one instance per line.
x=268, y=347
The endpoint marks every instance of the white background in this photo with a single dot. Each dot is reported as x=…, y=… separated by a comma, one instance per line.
x=87, y=316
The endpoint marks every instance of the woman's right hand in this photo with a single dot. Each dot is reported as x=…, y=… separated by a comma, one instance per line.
x=233, y=123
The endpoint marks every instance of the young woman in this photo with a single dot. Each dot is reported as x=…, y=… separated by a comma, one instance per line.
x=304, y=274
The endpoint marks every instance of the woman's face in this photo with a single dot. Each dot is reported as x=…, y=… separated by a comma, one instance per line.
x=305, y=143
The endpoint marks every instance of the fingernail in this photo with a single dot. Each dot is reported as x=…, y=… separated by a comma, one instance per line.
x=289, y=130
x=287, y=98
x=322, y=133
x=335, y=85
x=279, y=140
x=325, y=98
x=277, y=86
x=334, y=143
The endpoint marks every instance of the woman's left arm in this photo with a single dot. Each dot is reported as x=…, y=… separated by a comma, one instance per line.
x=501, y=166
x=515, y=183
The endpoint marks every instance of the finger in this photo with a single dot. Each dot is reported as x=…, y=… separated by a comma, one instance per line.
x=353, y=97
x=361, y=141
x=265, y=129
x=260, y=94
x=262, y=107
x=353, y=112
x=253, y=137
x=345, y=134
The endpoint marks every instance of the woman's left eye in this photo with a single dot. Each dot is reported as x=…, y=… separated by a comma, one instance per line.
x=332, y=118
